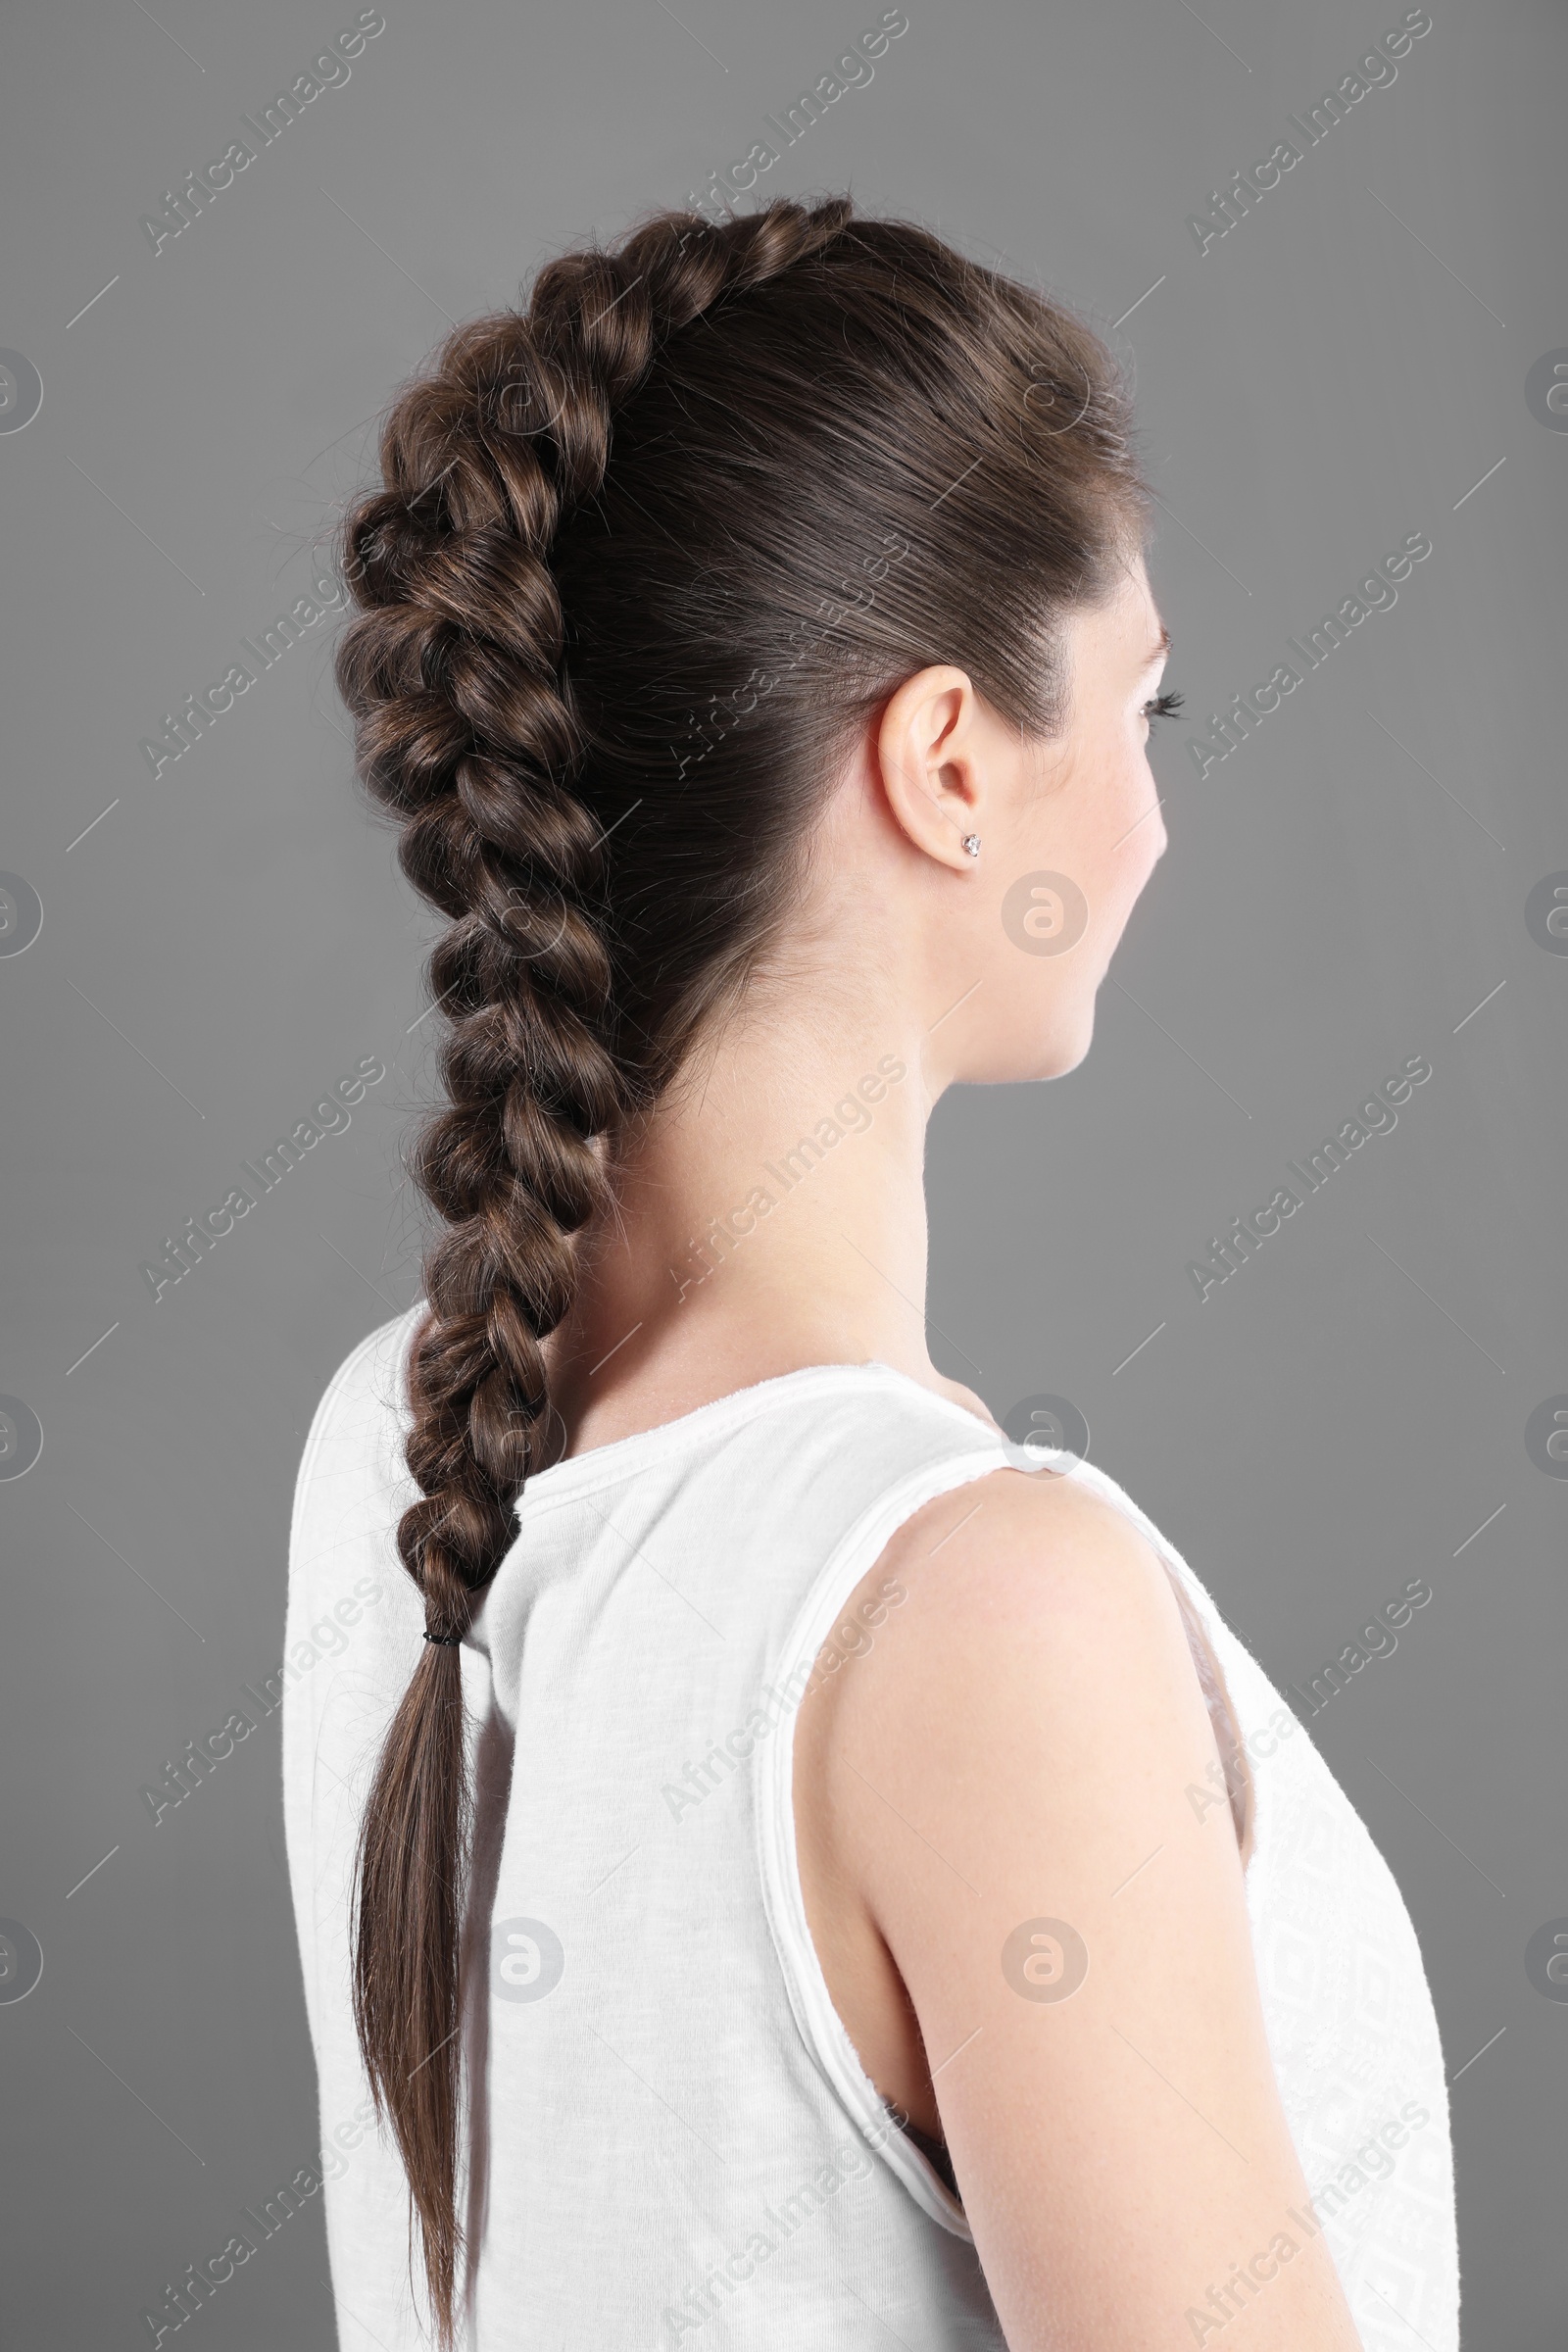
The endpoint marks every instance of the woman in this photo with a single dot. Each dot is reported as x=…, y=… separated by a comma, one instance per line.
x=787, y=1867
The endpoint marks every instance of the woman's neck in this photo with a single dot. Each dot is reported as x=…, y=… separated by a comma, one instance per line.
x=769, y=1214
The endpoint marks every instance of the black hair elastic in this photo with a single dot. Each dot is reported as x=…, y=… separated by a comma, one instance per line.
x=447, y=1641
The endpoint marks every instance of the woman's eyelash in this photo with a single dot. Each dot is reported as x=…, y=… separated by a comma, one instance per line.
x=1164, y=705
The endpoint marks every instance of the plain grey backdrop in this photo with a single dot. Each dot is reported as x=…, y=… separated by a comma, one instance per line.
x=1350, y=363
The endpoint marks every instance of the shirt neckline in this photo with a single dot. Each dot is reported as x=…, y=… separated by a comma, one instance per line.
x=621, y=1456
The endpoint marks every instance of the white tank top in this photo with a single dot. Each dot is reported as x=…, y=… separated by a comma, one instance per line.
x=671, y=2140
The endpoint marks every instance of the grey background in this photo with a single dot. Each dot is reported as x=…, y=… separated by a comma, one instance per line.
x=1340, y=894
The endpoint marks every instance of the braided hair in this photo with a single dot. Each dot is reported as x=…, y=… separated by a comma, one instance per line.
x=643, y=556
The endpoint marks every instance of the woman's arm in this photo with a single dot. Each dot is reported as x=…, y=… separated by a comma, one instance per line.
x=1017, y=1747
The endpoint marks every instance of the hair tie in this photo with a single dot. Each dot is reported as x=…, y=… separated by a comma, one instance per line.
x=447, y=1641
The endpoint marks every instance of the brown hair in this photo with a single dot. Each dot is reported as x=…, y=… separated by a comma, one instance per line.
x=647, y=553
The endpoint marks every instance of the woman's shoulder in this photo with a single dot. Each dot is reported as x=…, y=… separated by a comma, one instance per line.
x=1037, y=1557
x=359, y=1419
x=1035, y=1620
x=956, y=1394
x=372, y=1371
x=998, y=1794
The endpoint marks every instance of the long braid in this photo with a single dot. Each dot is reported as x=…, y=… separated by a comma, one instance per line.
x=467, y=727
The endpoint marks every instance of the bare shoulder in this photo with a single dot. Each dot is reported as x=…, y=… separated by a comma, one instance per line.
x=956, y=1394
x=1029, y=1669
x=1039, y=1675
x=995, y=1792
x=1038, y=1558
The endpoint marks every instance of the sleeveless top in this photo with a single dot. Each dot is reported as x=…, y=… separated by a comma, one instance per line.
x=670, y=2140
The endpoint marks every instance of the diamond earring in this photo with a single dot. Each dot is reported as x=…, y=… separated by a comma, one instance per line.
x=971, y=842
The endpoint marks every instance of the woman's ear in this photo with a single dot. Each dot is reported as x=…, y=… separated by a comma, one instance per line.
x=929, y=755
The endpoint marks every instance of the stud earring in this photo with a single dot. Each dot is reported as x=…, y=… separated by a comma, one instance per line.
x=971, y=842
